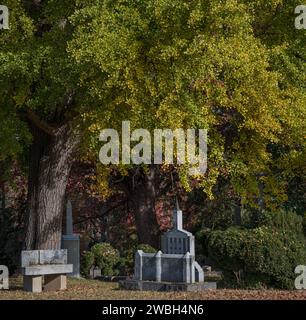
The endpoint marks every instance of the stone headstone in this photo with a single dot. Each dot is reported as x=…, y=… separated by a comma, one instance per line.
x=95, y=273
x=71, y=242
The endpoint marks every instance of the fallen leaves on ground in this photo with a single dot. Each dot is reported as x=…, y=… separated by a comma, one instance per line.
x=81, y=289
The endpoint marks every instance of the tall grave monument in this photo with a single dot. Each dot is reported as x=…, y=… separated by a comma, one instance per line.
x=71, y=242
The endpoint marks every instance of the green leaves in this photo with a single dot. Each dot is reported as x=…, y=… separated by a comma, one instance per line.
x=234, y=67
x=189, y=64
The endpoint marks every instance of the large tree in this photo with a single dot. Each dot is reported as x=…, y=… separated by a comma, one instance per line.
x=235, y=68
x=71, y=68
x=39, y=93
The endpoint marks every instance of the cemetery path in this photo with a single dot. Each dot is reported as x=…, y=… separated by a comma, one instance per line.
x=95, y=289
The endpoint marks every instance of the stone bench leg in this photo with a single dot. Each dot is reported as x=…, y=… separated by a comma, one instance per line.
x=32, y=283
x=55, y=282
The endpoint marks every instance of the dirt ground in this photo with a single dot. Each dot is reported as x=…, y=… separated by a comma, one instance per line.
x=97, y=290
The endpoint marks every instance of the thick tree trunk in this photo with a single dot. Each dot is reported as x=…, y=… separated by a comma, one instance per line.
x=50, y=163
x=144, y=203
x=141, y=189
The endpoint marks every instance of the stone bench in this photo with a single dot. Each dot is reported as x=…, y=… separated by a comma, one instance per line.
x=48, y=264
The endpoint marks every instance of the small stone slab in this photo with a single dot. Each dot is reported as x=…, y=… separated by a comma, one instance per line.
x=47, y=269
x=165, y=286
x=95, y=273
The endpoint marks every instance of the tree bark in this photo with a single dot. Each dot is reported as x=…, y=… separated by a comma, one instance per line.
x=142, y=188
x=51, y=157
x=143, y=199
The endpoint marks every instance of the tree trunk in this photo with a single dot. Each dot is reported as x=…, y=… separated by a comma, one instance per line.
x=144, y=207
x=51, y=158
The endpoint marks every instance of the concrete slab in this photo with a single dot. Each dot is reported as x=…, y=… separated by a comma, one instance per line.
x=47, y=269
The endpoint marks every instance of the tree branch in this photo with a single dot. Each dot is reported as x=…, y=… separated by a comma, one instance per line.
x=45, y=127
x=98, y=216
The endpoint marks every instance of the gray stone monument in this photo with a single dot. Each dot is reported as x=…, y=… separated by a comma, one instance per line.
x=71, y=242
x=177, y=240
x=173, y=268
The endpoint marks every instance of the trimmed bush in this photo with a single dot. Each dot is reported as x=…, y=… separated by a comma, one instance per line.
x=106, y=258
x=103, y=256
x=263, y=256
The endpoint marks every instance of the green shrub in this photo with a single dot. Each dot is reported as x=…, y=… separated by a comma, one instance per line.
x=106, y=258
x=103, y=256
x=263, y=256
x=87, y=261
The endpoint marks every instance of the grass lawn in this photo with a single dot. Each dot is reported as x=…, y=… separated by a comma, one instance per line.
x=95, y=289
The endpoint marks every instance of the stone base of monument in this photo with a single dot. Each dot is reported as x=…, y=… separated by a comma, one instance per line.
x=72, y=244
x=138, y=285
